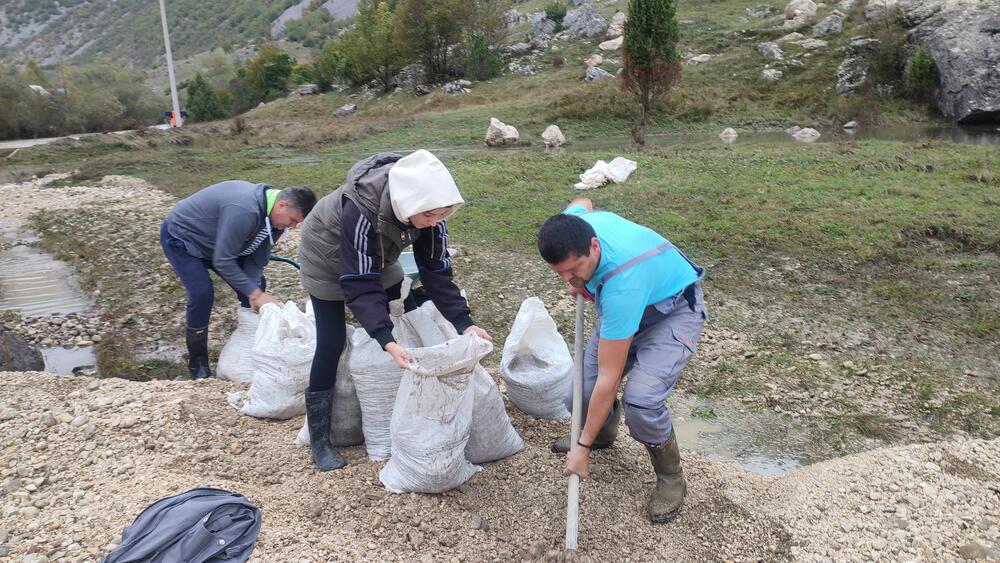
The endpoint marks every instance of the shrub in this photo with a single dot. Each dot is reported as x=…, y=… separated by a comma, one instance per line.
x=482, y=63
x=556, y=11
x=921, y=76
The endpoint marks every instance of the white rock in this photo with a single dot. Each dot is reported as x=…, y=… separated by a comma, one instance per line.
x=800, y=9
x=617, y=27
x=499, y=134
x=702, y=58
x=553, y=136
x=806, y=135
x=728, y=135
x=793, y=36
x=594, y=60
x=771, y=74
x=611, y=44
x=851, y=125
x=810, y=44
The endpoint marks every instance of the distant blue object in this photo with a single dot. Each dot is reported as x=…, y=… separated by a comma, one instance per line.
x=409, y=264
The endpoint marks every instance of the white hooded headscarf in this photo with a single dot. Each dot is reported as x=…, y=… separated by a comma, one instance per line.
x=420, y=182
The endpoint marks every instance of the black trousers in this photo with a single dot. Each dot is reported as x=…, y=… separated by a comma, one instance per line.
x=331, y=335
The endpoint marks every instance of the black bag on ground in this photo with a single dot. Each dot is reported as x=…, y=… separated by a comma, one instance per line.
x=202, y=525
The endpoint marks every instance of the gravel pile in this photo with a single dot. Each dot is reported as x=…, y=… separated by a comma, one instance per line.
x=81, y=457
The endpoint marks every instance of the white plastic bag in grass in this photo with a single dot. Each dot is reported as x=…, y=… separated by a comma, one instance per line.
x=491, y=436
x=345, y=422
x=536, y=363
x=432, y=416
x=282, y=355
x=617, y=171
x=236, y=358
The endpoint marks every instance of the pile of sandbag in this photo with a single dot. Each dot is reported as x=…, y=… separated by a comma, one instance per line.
x=377, y=380
x=536, y=365
x=282, y=355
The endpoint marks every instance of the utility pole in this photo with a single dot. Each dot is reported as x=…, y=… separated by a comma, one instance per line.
x=177, y=121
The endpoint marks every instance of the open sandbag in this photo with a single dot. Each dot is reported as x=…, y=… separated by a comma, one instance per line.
x=432, y=417
x=491, y=435
x=536, y=363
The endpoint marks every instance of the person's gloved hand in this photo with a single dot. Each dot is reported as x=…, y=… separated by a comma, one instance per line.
x=399, y=355
x=479, y=332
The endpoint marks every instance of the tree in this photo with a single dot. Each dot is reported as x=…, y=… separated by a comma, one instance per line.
x=649, y=54
x=428, y=29
x=368, y=51
x=267, y=74
x=482, y=63
x=203, y=103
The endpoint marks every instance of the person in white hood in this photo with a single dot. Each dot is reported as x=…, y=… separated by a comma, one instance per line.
x=349, y=253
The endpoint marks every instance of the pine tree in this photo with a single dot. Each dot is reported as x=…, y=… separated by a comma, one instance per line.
x=649, y=53
x=202, y=102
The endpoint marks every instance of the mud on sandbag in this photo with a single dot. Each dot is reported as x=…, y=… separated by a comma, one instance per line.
x=282, y=355
x=491, y=435
x=345, y=421
x=236, y=358
x=432, y=416
x=536, y=364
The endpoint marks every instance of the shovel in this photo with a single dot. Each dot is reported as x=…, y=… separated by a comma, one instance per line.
x=573, y=492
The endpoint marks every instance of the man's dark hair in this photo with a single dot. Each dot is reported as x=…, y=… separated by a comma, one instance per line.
x=299, y=197
x=564, y=236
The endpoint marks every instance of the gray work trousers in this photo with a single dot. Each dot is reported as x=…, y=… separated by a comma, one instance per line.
x=667, y=338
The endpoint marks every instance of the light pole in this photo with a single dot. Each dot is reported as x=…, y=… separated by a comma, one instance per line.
x=177, y=121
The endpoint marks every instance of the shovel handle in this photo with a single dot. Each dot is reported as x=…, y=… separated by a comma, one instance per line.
x=573, y=491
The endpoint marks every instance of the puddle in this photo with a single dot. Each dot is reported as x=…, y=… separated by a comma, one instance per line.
x=33, y=283
x=762, y=442
x=69, y=361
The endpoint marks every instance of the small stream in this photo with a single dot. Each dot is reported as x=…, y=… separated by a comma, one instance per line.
x=34, y=284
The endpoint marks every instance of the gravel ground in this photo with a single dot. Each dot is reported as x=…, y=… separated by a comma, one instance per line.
x=81, y=457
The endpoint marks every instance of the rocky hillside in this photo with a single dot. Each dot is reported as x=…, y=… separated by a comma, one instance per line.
x=52, y=31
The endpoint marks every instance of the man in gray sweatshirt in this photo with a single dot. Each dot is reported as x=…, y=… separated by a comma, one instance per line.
x=228, y=228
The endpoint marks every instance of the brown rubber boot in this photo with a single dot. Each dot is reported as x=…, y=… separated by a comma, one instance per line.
x=670, y=490
x=604, y=438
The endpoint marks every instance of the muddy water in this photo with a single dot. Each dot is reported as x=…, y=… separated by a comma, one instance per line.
x=34, y=284
x=763, y=442
x=980, y=135
x=69, y=361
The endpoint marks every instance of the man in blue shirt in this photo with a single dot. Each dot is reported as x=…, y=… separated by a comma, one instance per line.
x=650, y=311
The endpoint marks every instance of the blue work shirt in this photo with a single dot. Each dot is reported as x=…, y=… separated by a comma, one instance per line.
x=626, y=295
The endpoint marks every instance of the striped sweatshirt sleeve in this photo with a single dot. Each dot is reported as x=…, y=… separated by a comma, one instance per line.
x=361, y=274
x=431, y=253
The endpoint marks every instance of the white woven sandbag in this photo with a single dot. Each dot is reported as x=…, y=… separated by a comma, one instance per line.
x=345, y=421
x=536, y=363
x=236, y=358
x=491, y=435
x=282, y=355
x=432, y=416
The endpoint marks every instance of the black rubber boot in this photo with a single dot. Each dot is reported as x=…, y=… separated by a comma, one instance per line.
x=197, y=345
x=318, y=405
x=604, y=439
x=670, y=490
